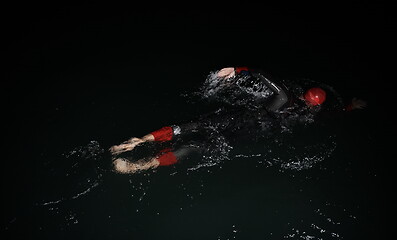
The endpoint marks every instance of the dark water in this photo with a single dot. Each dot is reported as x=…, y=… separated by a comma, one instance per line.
x=80, y=83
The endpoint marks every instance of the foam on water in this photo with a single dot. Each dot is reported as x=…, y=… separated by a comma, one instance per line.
x=230, y=90
x=72, y=176
x=326, y=222
x=193, y=186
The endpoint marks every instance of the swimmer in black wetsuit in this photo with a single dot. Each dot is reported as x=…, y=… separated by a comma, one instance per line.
x=273, y=97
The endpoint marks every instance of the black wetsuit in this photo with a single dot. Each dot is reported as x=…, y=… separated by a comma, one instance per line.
x=274, y=104
x=240, y=118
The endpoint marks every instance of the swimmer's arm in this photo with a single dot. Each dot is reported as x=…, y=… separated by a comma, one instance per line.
x=276, y=101
x=279, y=97
x=229, y=72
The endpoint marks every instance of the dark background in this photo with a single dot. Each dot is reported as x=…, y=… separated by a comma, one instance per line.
x=60, y=52
x=47, y=43
x=65, y=62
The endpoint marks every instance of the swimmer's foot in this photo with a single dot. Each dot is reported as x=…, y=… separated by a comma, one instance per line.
x=121, y=165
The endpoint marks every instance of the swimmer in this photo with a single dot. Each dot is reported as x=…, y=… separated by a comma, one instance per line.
x=225, y=120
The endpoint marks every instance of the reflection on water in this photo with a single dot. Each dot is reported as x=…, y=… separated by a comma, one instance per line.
x=81, y=167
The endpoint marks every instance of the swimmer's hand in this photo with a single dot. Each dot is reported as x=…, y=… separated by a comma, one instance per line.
x=226, y=72
x=358, y=103
x=125, y=146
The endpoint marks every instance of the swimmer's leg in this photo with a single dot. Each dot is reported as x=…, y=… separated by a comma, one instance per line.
x=122, y=165
x=161, y=135
x=165, y=158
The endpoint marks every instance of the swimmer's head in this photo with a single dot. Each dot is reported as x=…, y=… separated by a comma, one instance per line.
x=314, y=96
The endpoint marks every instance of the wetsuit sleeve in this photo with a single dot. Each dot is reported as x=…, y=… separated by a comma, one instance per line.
x=279, y=97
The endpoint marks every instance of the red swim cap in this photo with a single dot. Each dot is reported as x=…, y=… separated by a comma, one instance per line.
x=315, y=96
